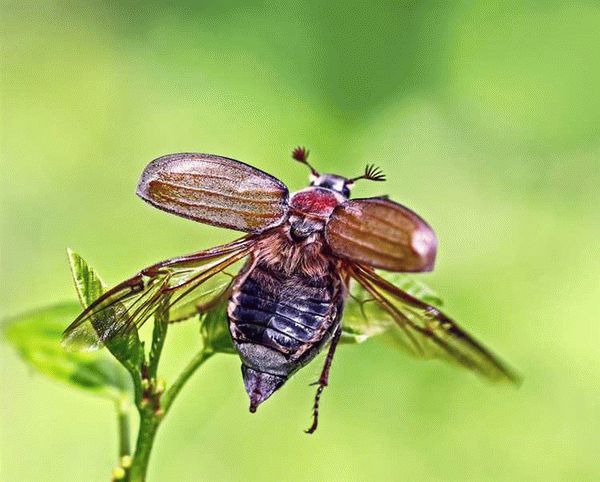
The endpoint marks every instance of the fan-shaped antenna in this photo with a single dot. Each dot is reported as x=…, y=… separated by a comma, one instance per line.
x=300, y=154
x=372, y=173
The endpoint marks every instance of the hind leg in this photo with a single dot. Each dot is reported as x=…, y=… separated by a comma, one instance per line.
x=324, y=379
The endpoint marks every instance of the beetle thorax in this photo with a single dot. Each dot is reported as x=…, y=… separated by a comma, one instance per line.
x=311, y=208
x=316, y=201
x=278, y=250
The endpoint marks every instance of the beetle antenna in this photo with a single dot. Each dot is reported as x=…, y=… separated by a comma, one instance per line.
x=300, y=154
x=372, y=173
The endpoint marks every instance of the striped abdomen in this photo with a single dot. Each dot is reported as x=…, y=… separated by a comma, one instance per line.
x=280, y=322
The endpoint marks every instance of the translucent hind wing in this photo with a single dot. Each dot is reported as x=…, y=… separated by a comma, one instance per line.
x=128, y=305
x=425, y=331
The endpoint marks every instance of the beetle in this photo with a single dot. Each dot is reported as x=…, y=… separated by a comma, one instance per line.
x=300, y=254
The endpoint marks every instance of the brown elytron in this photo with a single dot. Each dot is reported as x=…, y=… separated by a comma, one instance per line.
x=214, y=190
x=383, y=234
x=301, y=253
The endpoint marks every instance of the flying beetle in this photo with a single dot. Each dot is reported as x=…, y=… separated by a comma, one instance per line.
x=300, y=255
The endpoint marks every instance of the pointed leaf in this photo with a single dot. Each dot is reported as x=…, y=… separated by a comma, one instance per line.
x=127, y=349
x=214, y=328
x=36, y=337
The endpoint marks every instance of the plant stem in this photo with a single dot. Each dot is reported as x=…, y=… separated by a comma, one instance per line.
x=170, y=395
x=154, y=404
x=149, y=423
x=134, y=373
x=150, y=419
x=123, y=409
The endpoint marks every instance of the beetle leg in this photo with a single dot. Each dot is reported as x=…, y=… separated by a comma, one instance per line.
x=324, y=379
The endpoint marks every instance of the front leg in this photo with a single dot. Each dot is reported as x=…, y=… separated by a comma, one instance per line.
x=324, y=378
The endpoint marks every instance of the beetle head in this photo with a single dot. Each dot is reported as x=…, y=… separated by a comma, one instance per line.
x=341, y=185
x=336, y=183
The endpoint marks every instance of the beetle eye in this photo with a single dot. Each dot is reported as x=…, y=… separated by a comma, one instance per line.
x=346, y=191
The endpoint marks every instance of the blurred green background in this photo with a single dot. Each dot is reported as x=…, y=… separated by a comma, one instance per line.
x=485, y=117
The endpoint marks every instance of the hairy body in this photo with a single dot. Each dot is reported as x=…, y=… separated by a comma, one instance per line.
x=284, y=308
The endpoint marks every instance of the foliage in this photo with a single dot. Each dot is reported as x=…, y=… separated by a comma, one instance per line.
x=36, y=336
x=128, y=349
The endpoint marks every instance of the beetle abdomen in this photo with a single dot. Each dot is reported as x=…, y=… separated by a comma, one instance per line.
x=279, y=323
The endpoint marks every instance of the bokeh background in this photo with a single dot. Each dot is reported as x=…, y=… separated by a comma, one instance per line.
x=485, y=117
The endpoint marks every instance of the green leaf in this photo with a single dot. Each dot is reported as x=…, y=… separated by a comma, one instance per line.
x=358, y=325
x=159, y=335
x=88, y=284
x=127, y=349
x=36, y=337
x=215, y=330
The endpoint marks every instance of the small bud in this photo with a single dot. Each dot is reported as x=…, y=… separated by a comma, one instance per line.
x=145, y=383
x=126, y=461
x=160, y=386
x=159, y=413
x=118, y=473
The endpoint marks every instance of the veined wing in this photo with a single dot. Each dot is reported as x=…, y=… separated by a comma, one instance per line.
x=427, y=332
x=176, y=281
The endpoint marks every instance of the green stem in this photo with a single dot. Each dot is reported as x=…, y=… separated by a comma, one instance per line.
x=123, y=409
x=154, y=405
x=149, y=423
x=138, y=389
x=150, y=419
x=170, y=395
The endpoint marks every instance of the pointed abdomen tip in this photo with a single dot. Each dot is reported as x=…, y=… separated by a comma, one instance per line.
x=260, y=385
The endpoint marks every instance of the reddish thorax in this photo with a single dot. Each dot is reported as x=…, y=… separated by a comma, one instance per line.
x=316, y=201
